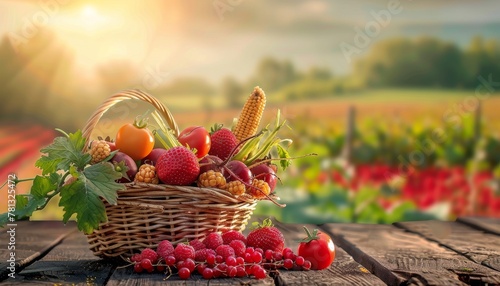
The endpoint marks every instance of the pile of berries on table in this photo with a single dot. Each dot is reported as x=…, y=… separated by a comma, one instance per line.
x=227, y=254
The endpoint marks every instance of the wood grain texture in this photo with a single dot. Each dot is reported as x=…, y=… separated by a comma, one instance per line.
x=127, y=277
x=477, y=245
x=343, y=271
x=69, y=263
x=487, y=224
x=397, y=257
x=33, y=240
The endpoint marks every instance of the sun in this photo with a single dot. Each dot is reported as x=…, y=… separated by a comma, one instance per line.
x=89, y=13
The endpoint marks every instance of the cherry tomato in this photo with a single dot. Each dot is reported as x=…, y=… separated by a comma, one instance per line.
x=135, y=140
x=318, y=248
x=196, y=137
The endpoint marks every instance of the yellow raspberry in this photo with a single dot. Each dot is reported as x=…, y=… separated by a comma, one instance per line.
x=259, y=190
x=99, y=150
x=146, y=174
x=212, y=179
x=236, y=188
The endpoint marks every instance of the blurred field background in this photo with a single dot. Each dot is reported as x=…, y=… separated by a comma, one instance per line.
x=399, y=99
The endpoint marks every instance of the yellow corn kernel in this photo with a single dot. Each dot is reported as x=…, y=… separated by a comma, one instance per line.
x=249, y=119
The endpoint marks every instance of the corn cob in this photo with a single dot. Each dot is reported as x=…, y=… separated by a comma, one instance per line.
x=249, y=119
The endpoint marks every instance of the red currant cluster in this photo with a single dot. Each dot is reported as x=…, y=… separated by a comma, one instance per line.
x=251, y=262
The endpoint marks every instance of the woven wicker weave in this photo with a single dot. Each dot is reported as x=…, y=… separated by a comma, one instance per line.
x=147, y=214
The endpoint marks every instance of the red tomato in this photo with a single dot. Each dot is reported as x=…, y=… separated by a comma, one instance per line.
x=196, y=137
x=318, y=248
x=135, y=140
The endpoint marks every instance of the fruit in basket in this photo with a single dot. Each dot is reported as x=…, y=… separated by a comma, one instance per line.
x=153, y=156
x=266, y=173
x=266, y=236
x=237, y=170
x=99, y=150
x=211, y=162
x=135, y=140
x=251, y=114
x=196, y=138
x=259, y=189
x=146, y=174
x=223, y=142
x=212, y=179
x=318, y=248
x=126, y=165
x=178, y=166
x=236, y=188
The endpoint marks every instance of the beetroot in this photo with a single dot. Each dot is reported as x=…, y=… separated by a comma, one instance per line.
x=266, y=173
x=120, y=160
x=239, y=169
x=153, y=156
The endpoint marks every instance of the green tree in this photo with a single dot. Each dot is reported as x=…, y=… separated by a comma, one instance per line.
x=272, y=74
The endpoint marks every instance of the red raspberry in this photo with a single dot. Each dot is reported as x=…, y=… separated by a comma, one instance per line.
x=213, y=240
x=183, y=252
x=202, y=254
x=225, y=251
x=165, y=249
x=149, y=254
x=231, y=235
x=239, y=247
x=197, y=244
x=136, y=258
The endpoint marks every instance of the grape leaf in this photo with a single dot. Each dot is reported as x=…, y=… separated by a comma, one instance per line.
x=82, y=197
x=77, y=199
x=100, y=179
x=62, y=153
x=29, y=204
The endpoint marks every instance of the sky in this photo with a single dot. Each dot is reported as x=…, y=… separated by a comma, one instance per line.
x=218, y=38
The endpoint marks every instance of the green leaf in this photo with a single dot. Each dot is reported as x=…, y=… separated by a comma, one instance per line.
x=100, y=179
x=77, y=199
x=43, y=185
x=64, y=152
x=30, y=204
x=283, y=154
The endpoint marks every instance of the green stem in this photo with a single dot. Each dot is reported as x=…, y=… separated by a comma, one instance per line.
x=63, y=132
x=16, y=181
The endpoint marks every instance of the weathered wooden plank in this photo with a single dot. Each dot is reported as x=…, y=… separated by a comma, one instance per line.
x=127, y=277
x=69, y=263
x=477, y=245
x=343, y=271
x=32, y=241
x=397, y=256
x=487, y=224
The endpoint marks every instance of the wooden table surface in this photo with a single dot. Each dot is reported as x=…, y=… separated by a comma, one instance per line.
x=463, y=252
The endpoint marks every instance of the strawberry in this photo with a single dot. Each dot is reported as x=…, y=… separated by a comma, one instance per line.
x=165, y=249
x=231, y=235
x=178, y=166
x=213, y=240
x=197, y=244
x=239, y=247
x=201, y=255
x=223, y=142
x=149, y=254
x=266, y=236
x=183, y=252
x=225, y=251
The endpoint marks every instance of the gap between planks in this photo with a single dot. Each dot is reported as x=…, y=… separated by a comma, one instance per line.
x=25, y=262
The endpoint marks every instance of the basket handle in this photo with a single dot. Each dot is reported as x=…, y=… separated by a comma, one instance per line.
x=124, y=95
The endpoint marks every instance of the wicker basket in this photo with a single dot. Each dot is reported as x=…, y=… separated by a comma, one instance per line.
x=147, y=214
